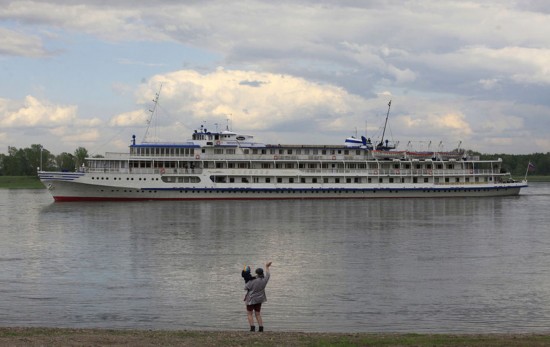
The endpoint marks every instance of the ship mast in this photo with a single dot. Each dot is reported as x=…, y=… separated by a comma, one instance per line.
x=381, y=144
x=153, y=111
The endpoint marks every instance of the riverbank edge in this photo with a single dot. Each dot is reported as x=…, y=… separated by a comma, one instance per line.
x=20, y=182
x=24, y=336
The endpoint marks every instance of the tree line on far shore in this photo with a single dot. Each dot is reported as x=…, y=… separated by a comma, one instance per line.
x=517, y=164
x=26, y=161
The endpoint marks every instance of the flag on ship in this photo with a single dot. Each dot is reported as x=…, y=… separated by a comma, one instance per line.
x=531, y=167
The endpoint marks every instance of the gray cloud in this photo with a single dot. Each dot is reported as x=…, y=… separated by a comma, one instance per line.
x=255, y=84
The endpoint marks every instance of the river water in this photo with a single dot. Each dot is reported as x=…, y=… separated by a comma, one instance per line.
x=391, y=265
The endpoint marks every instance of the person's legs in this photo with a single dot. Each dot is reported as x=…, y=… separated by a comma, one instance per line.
x=250, y=318
x=259, y=318
x=257, y=311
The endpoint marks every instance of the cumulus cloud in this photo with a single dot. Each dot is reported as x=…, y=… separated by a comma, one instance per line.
x=33, y=120
x=272, y=101
x=292, y=105
x=452, y=124
x=34, y=112
x=132, y=118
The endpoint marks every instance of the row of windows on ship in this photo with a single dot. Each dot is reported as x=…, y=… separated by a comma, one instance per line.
x=226, y=179
x=189, y=152
x=282, y=165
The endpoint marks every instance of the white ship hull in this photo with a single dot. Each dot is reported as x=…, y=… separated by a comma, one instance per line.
x=79, y=187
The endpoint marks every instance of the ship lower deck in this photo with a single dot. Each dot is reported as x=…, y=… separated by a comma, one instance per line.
x=74, y=191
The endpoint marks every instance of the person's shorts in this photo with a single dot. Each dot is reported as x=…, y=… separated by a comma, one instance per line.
x=255, y=307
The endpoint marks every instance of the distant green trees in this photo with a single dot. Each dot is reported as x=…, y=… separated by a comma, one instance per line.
x=517, y=163
x=27, y=161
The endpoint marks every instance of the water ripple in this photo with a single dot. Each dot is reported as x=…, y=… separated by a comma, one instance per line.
x=412, y=265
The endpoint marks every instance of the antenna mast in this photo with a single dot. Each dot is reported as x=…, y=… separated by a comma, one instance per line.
x=153, y=111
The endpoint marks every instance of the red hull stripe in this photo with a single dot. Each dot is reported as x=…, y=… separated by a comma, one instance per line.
x=76, y=199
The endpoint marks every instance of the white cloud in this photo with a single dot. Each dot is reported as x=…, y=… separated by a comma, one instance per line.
x=111, y=23
x=132, y=118
x=17, y=44
x=524, y=65
x=253, y=100
x=452, y=124
x=35, y=120
x=34, y=112
x=81, y=137
x=306, y=30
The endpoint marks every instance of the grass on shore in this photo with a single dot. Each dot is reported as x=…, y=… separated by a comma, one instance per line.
x=535, y=178
x=89, y=337
x=20, y=182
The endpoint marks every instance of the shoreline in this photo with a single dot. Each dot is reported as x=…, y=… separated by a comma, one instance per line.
x=24, y=336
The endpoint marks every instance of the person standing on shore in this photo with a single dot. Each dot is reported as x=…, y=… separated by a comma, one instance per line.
x=256, y=296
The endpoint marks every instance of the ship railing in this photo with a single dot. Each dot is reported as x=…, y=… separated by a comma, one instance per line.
x=104, y=170
x=404, y=172
x=114, y=155
x=172, y=171
x=459, y=183
x=146, y=171
x=283, y=157
x=348, y=171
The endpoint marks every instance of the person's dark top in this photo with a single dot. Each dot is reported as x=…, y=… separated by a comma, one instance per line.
x=256, y=290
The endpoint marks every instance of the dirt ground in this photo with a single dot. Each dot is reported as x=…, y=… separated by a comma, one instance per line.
x=13, y=336
x=100, y=337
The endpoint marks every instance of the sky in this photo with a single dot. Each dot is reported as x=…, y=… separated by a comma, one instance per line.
x=474, y=74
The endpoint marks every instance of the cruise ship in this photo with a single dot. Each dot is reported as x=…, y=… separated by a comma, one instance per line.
x=227, y=165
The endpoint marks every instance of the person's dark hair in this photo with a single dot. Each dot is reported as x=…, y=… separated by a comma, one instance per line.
x=260, y=272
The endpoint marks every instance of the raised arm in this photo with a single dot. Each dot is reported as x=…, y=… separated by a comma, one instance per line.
x=267, y=265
